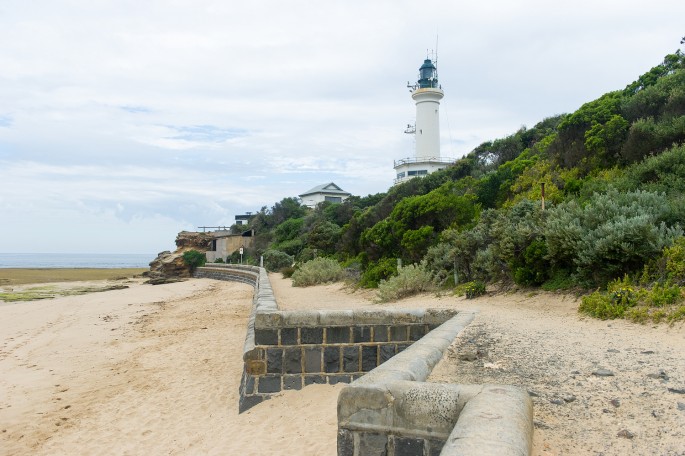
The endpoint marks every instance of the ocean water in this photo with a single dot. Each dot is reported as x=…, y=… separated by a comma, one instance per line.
x=75, y=260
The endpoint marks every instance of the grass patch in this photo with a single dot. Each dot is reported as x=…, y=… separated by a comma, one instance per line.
x=23, y=276
x=48, y=292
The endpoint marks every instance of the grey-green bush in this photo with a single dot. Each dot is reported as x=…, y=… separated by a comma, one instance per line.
x=275, y=260
x=410, y=280
x=316, y=271
x=613, y=234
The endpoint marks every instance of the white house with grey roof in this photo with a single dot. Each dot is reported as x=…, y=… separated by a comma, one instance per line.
x=324, y=192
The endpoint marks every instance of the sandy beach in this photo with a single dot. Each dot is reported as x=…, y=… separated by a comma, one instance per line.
x=156, y=369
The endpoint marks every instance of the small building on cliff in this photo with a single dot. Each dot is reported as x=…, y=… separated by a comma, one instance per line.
x=324, y=192
x=224, y=244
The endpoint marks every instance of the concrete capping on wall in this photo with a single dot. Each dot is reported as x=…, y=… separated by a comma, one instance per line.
x=231, y=272
x=388, y=409
x=392, y=411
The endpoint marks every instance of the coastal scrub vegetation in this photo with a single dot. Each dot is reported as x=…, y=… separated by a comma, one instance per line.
x=409, y=280
x=194, y=259
x=316, y=271
x=614, y=207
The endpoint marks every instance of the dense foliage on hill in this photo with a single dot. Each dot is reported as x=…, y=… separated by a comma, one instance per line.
x=614, y=183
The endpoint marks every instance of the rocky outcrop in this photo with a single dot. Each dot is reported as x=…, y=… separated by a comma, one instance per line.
x=169, y=266
x=187, y=240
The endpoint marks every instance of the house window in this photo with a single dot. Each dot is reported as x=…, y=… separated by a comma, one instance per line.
x=421, y=172
x=334, y=199
x=400, y=175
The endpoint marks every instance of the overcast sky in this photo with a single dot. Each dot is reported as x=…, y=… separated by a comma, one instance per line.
x=124, y=122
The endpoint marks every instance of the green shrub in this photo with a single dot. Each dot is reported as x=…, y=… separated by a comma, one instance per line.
x=287, y=272
x=614, y=233
x=675, y=260
x=663, y=173
x=219, y=260
x=324, y=236
x=560, y=280
x=291, y=246
x=535, y=267
x=600, y=305
x=352, y=269
x=622, y=299
x=638, y=314
x=194, y=259
x=664, y=295
x=383, y=269
x=275, y=260
x=410, y=280
x=317, y=271
x=307, y=254
x=289, y=229
x=474, y=289
x=440, y=260
x=677, y=315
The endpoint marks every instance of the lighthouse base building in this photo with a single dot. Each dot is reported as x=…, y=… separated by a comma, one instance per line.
x=408, y=168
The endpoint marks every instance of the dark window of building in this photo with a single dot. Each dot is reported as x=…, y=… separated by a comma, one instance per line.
x=334, y=199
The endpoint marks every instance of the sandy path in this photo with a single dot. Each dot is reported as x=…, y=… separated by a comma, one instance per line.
x=542, y=344
x=539, y=341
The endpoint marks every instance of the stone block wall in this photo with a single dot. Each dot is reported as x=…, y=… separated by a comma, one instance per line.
x=295, y=349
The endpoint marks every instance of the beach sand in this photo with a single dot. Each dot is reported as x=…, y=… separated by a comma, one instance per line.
x=156, y=369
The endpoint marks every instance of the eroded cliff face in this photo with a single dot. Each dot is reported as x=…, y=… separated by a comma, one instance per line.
x=169, y=266
x=187, y=240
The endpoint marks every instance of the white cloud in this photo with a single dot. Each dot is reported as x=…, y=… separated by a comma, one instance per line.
x=186, y=113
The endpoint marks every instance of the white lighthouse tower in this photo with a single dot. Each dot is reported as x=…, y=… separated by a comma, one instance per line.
x=427, y=94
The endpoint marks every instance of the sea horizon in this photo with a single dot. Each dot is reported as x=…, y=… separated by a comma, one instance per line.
x=76, y=260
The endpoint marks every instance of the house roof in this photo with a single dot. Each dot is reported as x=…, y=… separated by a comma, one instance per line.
x=329, y=188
